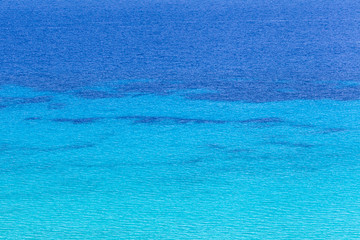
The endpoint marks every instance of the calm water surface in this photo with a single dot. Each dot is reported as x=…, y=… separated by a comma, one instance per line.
x=179, y=120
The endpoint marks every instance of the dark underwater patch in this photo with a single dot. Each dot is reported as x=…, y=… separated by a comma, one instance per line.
x=215, y=146
x=77, y=120
x=32, y=118
x=263, y=120
x=332, y=130
x=162, y=119
x=39, y=99
x=56, y=106
x=291, y=144
x=148, y=120
x=71, y=147
x=139, y=119
x=9, y=101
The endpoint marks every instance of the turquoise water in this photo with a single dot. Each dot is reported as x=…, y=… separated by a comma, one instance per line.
x=146, y=166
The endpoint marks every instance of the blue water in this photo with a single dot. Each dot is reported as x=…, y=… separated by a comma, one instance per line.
x=179, y=120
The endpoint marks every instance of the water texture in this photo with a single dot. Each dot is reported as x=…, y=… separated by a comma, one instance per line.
x=179, y=120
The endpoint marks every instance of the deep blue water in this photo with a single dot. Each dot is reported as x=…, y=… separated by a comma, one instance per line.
x=248, y=50
x=180, y=119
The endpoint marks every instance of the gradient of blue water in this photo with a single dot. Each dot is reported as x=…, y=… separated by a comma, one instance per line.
x=179, y=120
x=164, y=167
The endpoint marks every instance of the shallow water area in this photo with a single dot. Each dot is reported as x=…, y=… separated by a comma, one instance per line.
x=163, y=166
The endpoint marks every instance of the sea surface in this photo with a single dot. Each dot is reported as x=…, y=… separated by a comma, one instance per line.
x=164, y=119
